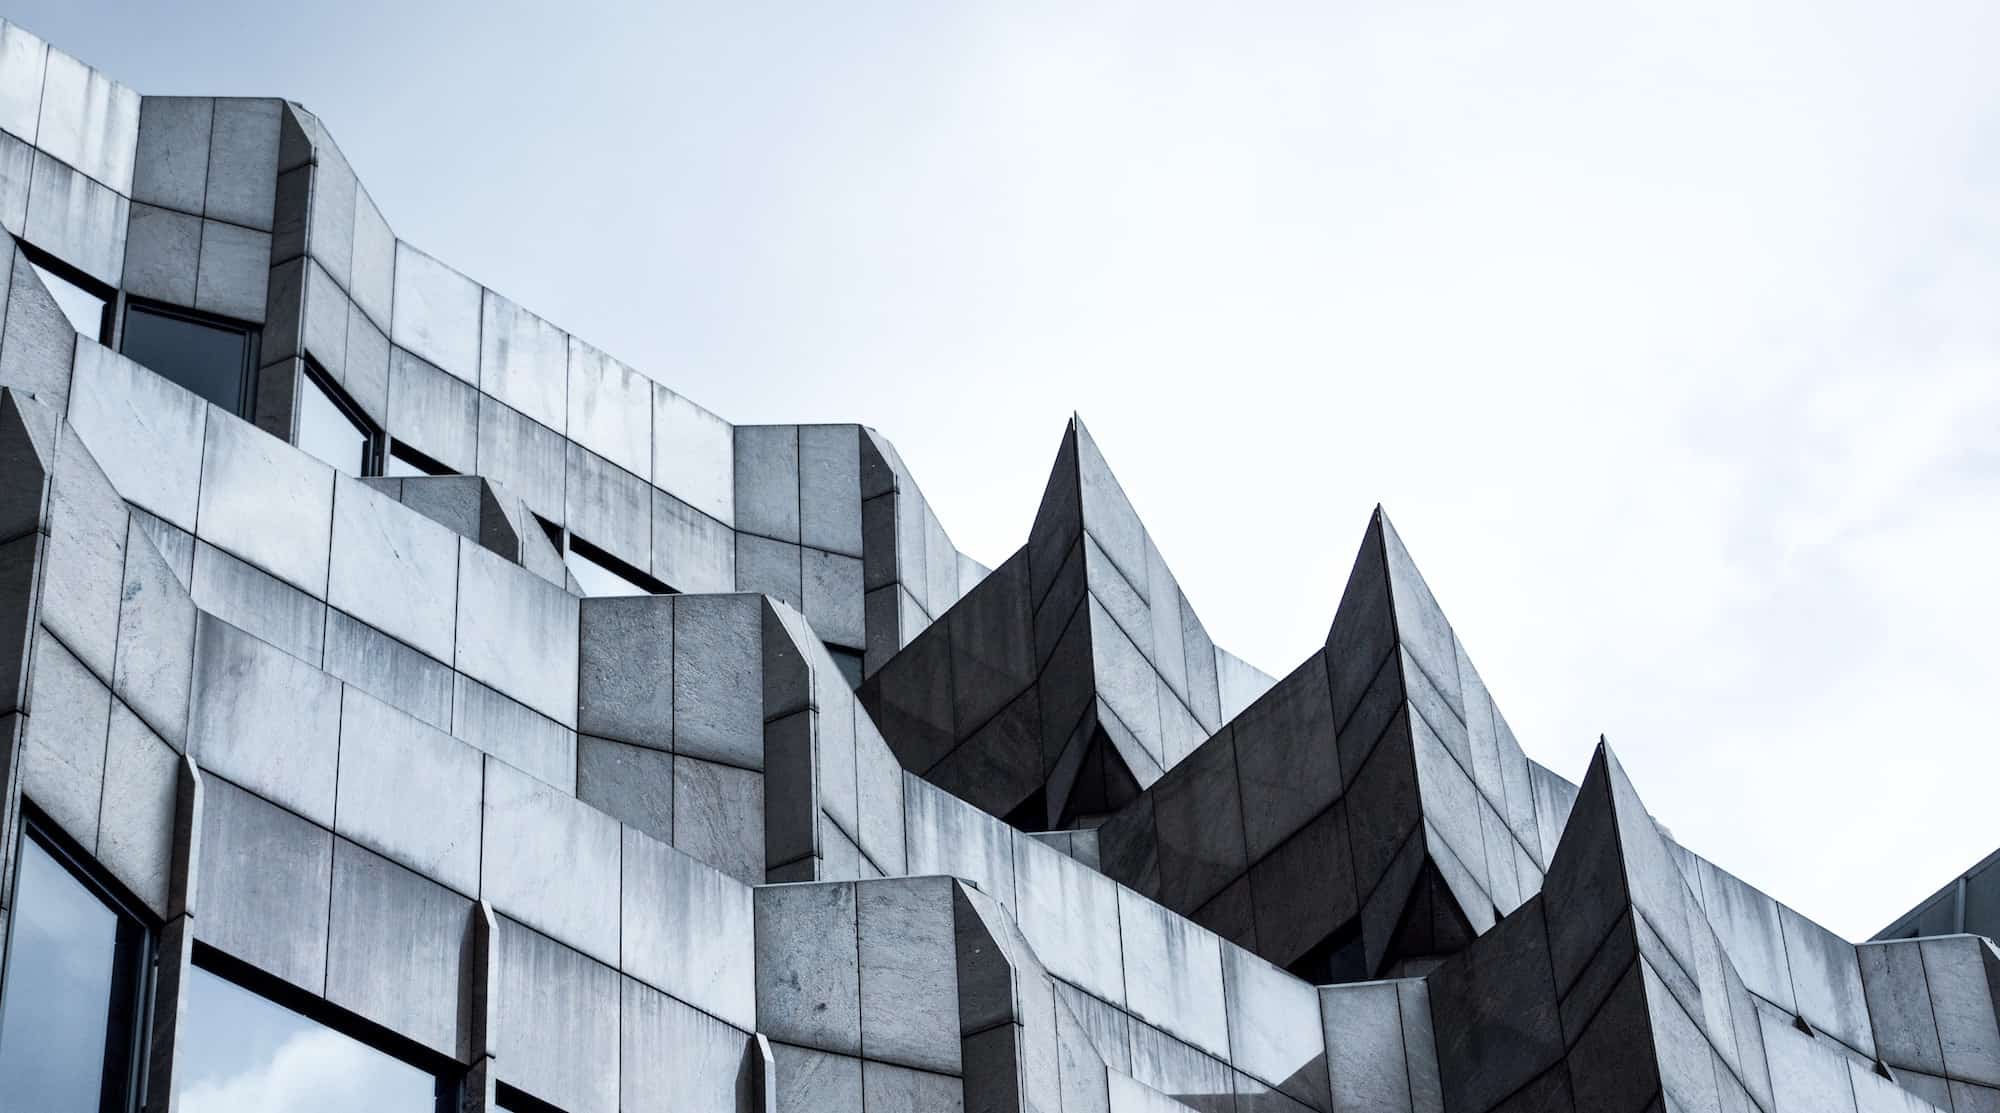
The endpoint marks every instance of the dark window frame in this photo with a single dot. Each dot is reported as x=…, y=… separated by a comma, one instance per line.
x=374, y=454
x=252, y=339
x=448, y=1072
x=135, y=971
x=76, y=277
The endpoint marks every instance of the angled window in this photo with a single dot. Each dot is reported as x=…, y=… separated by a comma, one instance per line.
x=237, y=1049
x=406, y=461
x=208, y=355
x=77, y=961
x=86, y=303
x=597, y=572
x=333, y=428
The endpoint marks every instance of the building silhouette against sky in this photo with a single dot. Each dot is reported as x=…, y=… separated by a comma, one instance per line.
x=410, y=706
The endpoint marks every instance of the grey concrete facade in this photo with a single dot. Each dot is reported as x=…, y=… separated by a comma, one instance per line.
x=833, y=817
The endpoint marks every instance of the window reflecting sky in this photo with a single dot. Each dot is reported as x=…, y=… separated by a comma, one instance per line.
x=203, y=358
x=59, y=981
x=596, y=579
x=242, y=1053
x=84, y=309
x=328, y=433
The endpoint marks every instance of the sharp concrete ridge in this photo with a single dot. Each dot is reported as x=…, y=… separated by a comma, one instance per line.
x=420, y=678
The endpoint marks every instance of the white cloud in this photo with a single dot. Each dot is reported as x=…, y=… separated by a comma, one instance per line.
x=316, y=1071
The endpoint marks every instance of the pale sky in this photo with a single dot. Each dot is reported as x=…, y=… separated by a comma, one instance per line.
x=1669, y=335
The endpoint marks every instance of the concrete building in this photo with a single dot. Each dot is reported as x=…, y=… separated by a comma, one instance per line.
x=410, y=706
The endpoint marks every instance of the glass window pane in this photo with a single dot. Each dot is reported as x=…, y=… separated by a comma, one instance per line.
x=238, y=1051
x=84, y=309
x=62, y=977
x=596, y=579
x=397, y=466
x=327, y=432
x=206, y=359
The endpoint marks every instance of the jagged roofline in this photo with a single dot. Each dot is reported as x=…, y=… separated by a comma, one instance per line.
x=1071, y=676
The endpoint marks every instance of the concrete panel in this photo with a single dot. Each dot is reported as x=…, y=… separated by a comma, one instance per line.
x=243, y=161
x=265, y=720
x=772, y=568
x=62, y=745
x=145, y=432
x=523, y=361
x=1826, y=976
x=689, y=930
x=373, y=278
x=367, y=373
x=1366, y=1067
x=1495, y=1011
x=258, y=604
x=673, y=1057
x=517, y=633
x=811, y=1081
x=879, y=795
x=393, y=568
x=38, y=343
x=436, y=313
x=1899, y=1004
x=84, y=569
x=767, y=481
x=809, y=966
x=388, y=670
x=234, y=271
x=154, y=668
x=162, y=249
x=830, y=488
x=1174, y=1068
x=266, y=502
x=1960, y=970
x=625, y=682
x=719, y=816
x=694, y=455
x=77, y=220
x=909, y=972
x=396, y=947
x=610, y=409
x=435, y=413
x=89, y=121
x=1069, y=914
x=718, y=642
x=556, y=1035
x=135, y=832
x=525, y=457
x=949, y=836
x=1274, y=1027
x=550, y=861
x=266, y=881
x=331, y=232
x=23, y=67
x=1804, y=1074
x=17, y=168
x=832, y=596
x=1173, y=974
x=1286, y=757
x=631, y=784
x=536, y=745
x=409, y=792
x=609, y=507
x=692, y=552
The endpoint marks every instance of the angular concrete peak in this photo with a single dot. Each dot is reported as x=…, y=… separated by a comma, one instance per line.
x=1614, y=980
x=1070, y=677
